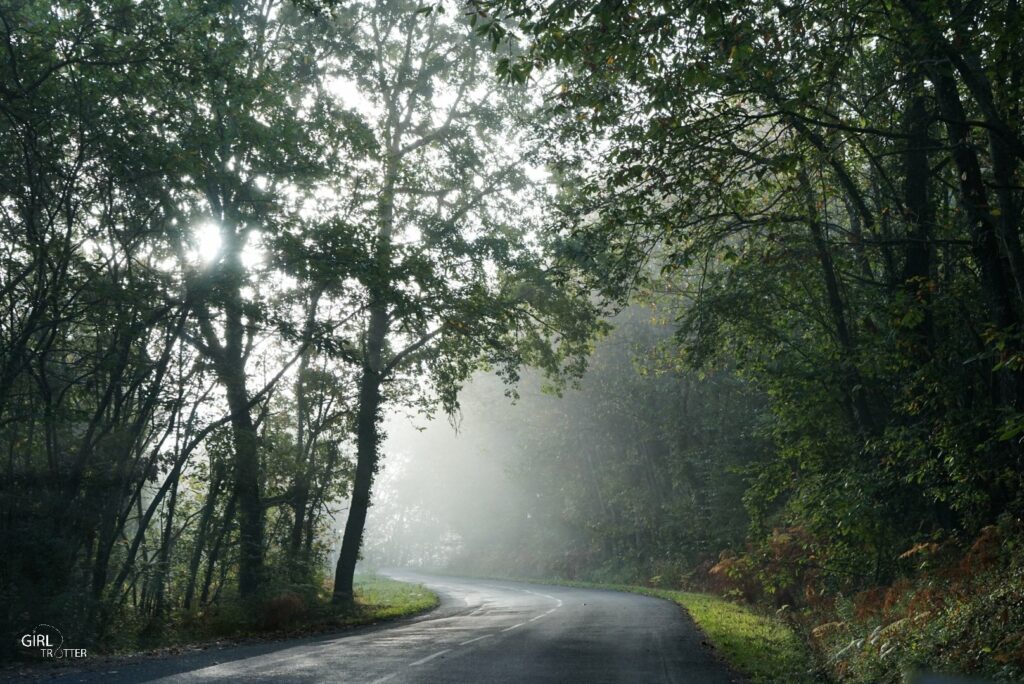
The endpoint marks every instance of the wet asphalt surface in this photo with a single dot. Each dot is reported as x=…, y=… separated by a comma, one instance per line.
x=483, y=631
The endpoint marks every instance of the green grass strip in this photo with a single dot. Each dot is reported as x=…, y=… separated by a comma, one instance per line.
x=380, y=598
x=760, y=646
x=757, y=645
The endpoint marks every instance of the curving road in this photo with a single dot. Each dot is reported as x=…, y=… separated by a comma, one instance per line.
x=483, y=631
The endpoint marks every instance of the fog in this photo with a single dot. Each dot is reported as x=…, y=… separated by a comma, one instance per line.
x=630, y=473
x=452, y=493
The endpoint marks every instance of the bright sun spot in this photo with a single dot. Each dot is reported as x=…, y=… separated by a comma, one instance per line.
x=252, y=253
x=207, y=241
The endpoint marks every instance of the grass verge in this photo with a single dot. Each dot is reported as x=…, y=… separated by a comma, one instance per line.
x=380, y=598
x=760, y=646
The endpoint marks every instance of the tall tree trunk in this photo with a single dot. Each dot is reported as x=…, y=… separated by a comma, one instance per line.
x=995, y=276
x=367, y=444
x=996, y=268
x=368, y=416
x=229, y=360
x=920, y=215
x=247, y=486
x=300, y=485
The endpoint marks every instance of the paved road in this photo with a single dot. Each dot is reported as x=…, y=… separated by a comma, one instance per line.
x=484, y=631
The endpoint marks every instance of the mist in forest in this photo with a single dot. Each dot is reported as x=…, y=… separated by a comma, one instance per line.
x=452, y=493
x=600, y=478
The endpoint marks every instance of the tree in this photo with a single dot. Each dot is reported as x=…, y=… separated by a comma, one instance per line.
x=443, y=272
x=248, y=129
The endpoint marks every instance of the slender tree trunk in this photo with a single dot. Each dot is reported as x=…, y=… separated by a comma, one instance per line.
x=368, y=416
x=164, y=554
x=920, y=216
x=214, y=555
x=201, y=533
x=143, y=523
x=974, y=198
x=304, y=447
x=367, y=444
x=300, y=505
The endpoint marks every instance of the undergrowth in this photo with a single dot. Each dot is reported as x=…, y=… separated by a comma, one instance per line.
x=286, y=612
x=956, y=609
x=937, y=624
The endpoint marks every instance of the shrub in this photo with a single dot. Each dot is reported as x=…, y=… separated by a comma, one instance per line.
x=282, y=611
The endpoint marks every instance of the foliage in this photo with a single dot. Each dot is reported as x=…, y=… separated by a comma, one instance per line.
x=957, y=613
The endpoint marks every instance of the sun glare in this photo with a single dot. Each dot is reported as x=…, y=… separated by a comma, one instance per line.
x=207, y=241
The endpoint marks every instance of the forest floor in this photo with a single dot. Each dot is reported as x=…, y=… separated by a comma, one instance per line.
x=285, y=616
